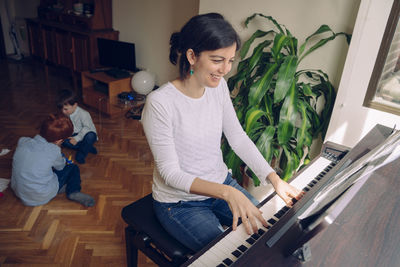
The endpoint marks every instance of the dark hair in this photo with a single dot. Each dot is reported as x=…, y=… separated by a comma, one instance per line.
x=66, y=97
x=56, y=127
x=205, y=32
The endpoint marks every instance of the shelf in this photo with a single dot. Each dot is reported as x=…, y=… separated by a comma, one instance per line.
x=106, y=99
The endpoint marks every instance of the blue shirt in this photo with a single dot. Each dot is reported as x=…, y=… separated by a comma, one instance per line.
x=33, y=179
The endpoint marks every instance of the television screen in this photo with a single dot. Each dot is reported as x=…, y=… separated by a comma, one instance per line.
x=116, y=54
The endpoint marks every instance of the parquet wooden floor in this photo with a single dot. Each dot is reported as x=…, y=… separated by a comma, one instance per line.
x=62, y=232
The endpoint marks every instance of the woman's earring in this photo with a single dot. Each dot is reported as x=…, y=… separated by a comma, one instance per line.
x=191, y=71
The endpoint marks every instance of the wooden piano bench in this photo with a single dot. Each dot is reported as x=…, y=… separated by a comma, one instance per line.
x=146, y=234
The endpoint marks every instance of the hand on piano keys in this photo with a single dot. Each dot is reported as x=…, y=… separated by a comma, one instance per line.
x=287, y=192
x=234, y=244
x=242, y=208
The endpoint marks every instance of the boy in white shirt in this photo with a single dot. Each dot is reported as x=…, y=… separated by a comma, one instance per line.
x=85, y=134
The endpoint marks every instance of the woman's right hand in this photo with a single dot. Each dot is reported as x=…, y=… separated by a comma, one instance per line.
x=240, y=205
x=243, y=208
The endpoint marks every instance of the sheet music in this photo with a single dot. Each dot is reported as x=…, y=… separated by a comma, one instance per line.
x=381, y=155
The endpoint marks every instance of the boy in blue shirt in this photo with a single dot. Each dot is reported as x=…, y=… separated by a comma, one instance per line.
x=39, y=170
x=84, y=135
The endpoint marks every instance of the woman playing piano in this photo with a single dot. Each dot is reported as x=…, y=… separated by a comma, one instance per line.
x=194, y=193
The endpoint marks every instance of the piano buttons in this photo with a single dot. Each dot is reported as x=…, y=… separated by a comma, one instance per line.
x=272, y=221
x=221, y=265
x=261, y=231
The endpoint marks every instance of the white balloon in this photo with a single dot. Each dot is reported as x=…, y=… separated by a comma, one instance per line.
x=143, y=82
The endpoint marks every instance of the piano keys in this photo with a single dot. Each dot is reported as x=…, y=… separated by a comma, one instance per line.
x=233, y=244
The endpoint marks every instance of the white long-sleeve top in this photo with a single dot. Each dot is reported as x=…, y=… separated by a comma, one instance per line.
x=185, y=134
x=82, y=122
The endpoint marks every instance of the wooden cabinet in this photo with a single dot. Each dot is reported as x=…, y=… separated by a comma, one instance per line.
x=60, y=37
x=50, y=45
x=100, y=91
x=35, y=39
x=81, y=46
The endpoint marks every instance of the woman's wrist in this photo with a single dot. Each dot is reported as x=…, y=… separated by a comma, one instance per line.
x=274, y=178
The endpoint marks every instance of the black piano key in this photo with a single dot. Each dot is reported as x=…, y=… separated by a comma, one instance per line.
x=294, y=200
x=237, y=253
x=306, y=189
x=279, y=214
x=261, y=231
x=314, y=181
x=272, y=221
x=221, y=265
x=285, y=208
x=255, y=236
x=227, y=261
x=310, y=184
x=250, y=240
x=242, y=248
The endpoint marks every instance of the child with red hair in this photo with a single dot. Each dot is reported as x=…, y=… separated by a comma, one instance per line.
x=39, y=170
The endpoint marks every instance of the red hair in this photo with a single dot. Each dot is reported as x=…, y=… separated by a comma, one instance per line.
x=56, y=127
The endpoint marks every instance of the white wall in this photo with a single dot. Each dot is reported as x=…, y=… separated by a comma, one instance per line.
x=350, y=120
x=149, y=24
x=302, y=18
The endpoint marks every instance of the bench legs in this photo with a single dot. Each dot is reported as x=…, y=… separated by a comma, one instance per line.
x=137, y=241
x=131, y=249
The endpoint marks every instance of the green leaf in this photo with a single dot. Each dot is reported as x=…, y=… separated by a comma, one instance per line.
x=321, y=29
x=265, y=143
x=258, y=89
x=302, y=131
x=233, y=162
x=319, y=44
x=269, y=113
x=307, y=91
x=277, y=25
x=291, y=163
x=255, y=57
x=286, y=76
x=247, y=44
x=252, y=116
x=280, y=41
x=288, y=115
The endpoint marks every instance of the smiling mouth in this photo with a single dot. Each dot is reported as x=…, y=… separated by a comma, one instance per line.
x=215, y=76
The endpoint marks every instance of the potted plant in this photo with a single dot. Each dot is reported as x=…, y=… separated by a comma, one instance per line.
x=276, y=103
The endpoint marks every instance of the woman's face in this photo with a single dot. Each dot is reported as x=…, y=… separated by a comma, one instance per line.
x=210, y=66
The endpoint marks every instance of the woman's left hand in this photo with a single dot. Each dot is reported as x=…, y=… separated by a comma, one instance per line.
x=286, y=191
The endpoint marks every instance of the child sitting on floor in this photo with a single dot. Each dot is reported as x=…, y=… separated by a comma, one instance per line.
x=85, y=134
x=39, y=170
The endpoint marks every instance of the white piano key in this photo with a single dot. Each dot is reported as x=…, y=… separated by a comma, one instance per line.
x=209, y=258
x=225, y=253
x=310, y=173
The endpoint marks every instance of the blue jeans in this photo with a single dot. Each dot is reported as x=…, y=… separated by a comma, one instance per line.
x=71, y=177
x=84, y=146
x=196, y=223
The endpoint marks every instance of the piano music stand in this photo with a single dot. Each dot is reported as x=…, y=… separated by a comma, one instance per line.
x=145, y=233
